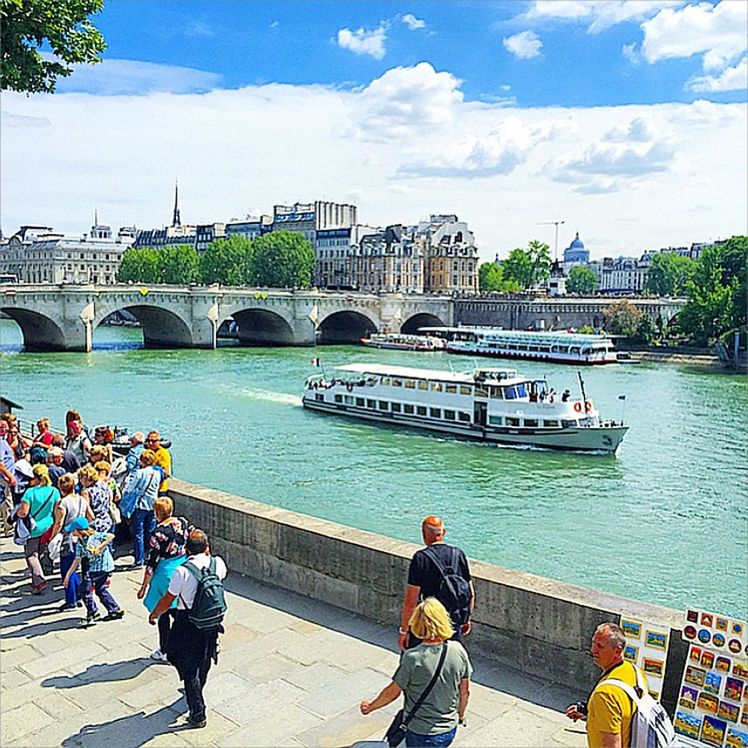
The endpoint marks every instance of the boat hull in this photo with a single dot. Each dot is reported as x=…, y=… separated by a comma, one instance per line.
x=529, y=356
x=598, y=440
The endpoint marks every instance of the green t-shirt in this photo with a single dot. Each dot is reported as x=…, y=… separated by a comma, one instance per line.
x=438, y=714
x=41, y=507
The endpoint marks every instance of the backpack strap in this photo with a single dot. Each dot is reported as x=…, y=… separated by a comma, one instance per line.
x=434, y=556
x=43, y=506
x=635, y=693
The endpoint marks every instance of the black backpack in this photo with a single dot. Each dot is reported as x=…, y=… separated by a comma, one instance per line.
x=209, y=605
x=454, y=590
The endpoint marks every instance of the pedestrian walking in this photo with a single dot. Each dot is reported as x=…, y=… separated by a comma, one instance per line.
x=137, y=502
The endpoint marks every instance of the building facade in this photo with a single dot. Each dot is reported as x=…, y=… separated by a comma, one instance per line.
x=38, y=254
x=389, y=260
x=451, y=255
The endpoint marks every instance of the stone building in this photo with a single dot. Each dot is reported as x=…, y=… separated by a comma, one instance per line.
x=450, y=254
x=308, y=218
x=38, y=254
x=389, y=260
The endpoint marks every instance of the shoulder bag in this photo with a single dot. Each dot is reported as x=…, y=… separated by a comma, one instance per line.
x=396, y=732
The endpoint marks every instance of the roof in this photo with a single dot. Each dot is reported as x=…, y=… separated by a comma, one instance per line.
x=10, y=403
x=526, y=335
x=385, y=370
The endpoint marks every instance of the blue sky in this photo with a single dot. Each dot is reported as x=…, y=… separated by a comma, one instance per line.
x=624, y=118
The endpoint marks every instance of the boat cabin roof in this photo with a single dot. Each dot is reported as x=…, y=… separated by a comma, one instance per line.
x=545, y=336
x=507, y=376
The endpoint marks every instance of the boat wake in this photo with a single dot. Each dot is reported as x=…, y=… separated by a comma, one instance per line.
x=268, y=396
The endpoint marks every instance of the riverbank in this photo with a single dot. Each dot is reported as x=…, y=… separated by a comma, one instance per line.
x=680, y=358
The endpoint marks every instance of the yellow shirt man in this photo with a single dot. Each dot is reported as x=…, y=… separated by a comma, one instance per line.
x=163, y=459
x=610, y=709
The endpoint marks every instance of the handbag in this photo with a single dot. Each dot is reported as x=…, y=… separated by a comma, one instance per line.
x=396, y=732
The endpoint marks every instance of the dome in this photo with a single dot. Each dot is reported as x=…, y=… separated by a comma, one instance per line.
x=577, y=243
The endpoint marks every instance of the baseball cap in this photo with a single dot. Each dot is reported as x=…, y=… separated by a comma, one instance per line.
x=79, y=523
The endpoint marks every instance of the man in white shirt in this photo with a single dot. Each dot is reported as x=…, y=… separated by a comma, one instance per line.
x=191, y=649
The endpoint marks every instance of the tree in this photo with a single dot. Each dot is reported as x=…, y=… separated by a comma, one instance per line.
x=139, y=266
x=61, y=25
x=622, y=318
x=581, y=280
x=540, y=257
x=668, y=274
x=528, y=267
x=283, y=259
x=645, y=330
x=491, y=278
x=228, y=261
x=179, y=264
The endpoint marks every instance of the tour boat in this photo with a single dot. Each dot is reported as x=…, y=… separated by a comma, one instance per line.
x=560, y=347
x=402, y=342
x=487, y=405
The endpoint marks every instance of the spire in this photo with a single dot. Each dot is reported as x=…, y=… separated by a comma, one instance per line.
x=176, y=221
x=96, y=216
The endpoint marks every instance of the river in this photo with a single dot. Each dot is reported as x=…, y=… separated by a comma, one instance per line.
x=666, y=521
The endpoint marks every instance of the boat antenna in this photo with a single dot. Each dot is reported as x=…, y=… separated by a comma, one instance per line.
x=581, y=386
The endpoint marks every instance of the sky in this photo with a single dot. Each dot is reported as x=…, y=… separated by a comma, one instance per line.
x=625, y=119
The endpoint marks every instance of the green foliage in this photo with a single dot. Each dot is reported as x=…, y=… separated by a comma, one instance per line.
x=63, y=26
x=180, y=264
x=140, y=266
x=622, y=318
x=645, y=330
x=668, y=274
x=581, y=280
x=491, y=278
x=283, y=259
x=228, y=262
x=528, y=267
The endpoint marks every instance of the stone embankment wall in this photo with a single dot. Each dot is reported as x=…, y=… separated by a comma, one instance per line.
x=539, y=626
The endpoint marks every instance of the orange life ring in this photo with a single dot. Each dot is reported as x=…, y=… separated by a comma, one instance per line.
x=587, y=406
x=578, y=407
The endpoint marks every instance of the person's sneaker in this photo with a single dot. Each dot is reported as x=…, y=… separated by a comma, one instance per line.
x=39, y=588
x=158, y=655
x=197, y=722
x=114, y=615
x=65, y=607
x=91, y=618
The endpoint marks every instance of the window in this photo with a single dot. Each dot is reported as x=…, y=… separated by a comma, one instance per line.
x=395, y=407
x=319, y=398
x=480, y=392
x=397, y=382
x=512, y=421
x=409, y=409
x=360, y=402
x=568, y=424
x=515, y=391
x=437, y=386
x=495, y=420
x=410, y=384
x=371, y=403
x=383, y=405
x=423, y=384
x=349, y=399
x=496, y=393
x=464, y=417
x=451, y=389
x=385, y=381
x=421, y=410
x=338, y=398
x=531, y=423
x=466, y=389
x=435, y=412
x=550, y=424
x=449, y=415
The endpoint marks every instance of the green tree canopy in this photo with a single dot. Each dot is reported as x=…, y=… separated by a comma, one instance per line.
x=528, y=267
x=668, y=274
x=581, y=280
x=63, y=25
x=491, y=278
x=229, y=262
x=283, y=259
x=622, y=318
x=140, y=266
x=180, y=264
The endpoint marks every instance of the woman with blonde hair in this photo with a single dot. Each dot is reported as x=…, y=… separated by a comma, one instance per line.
x=167, y=551
x=38, y=503
x=99, y=496
x=434, y=677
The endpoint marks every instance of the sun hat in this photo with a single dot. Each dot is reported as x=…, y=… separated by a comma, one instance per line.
x=79, y=523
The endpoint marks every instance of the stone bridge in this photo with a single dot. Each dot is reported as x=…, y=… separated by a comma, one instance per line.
x=64, y=317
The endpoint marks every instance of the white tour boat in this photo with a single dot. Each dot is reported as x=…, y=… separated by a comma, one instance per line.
x=560, y=347
x=403, y=342
x=488, y=405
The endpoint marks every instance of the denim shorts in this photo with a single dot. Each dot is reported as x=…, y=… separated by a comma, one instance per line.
x=444, y=739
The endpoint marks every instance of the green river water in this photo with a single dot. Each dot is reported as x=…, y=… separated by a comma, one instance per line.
x=666, y=521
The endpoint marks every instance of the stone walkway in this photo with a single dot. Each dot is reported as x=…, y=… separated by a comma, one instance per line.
x=291, y=673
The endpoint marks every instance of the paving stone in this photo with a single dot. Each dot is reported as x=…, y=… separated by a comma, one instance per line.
x=312, y=677
x=275, y=728
x=12, y=678
x=347, y=728
x=19, y=656
x=517, y=728
x=58, y=661
x=225, y=685
x=571, y=735
x=269, y=667
x=218, y=727
x=338, y=696
x=22, y=721
x=267, y=698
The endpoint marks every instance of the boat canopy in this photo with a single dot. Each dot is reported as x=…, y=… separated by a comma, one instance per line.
x=465, y=377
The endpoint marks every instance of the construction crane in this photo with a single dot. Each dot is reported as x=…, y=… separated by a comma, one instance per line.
x=556, y=224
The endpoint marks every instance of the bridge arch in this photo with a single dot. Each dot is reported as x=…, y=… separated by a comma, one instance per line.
x=258, y=327
x=162, y=328
x=345, y=326
x=422, y=319
x=40, y=333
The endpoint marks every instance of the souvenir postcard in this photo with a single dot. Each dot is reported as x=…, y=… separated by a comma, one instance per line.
x=728, y=711
x=713, y=731
x=692, y=616
x=687, y=724
x=653, y=667
x=720, y=624
x=712, y=683
x=736, y=738
x=707, y=702
x=656, y=640
x=723, y=664
x=707, y=619
x=695, y=676
x=739, y=669
x=688, y=696
x=744, y=717
x=733, y=688
x=632, y=629
x=695, y=655
x=707, y=659
x=630, y=652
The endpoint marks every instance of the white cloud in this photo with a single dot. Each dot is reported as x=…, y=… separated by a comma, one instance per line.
x=524, y=45
x=364, y=42
x=412, y=22
x=601, y=14
x=732, y=79
x=717, y=32
x=635, y=176
x=120, y=77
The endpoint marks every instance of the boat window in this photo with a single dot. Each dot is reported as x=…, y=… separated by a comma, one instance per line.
x=371, y=403
x=451, y=389
x=421, y=410
x=360, y=402
x=423, y=384
x=410, y=384
x=512, y=421
x=496, y=393
x=550, y=424
x=397, y=382
x=349, y=399
x=385, y=380
x=464, y=417
x=568, y=424
x=515, y=391
x=395, y=407
x=466, y=389
x=481, y=392
x=495, y=420
x=338, y=398
x=319, y=398
x=531, y=423
x=409, y=409
x=435, y=412
x=449, y=415
x=436, y=386
x=383, y=405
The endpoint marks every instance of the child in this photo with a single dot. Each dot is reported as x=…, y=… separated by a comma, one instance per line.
x=93, y=555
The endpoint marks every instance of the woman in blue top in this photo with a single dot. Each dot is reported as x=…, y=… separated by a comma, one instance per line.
x=137, y=502
x=39, y=503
